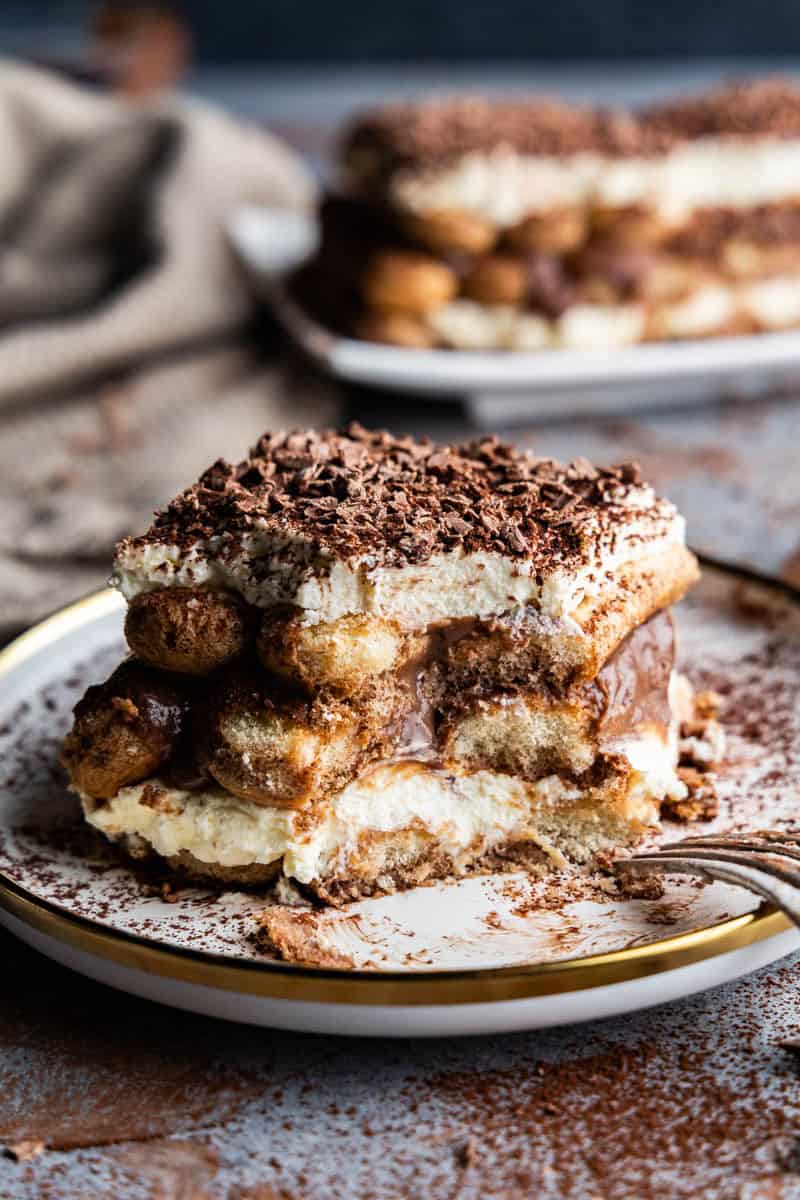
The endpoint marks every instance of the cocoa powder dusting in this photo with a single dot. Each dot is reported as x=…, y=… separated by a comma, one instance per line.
x=362, y=495
x=687, y=1100
x=421, y=137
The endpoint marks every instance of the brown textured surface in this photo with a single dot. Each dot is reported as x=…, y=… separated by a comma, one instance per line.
x=138, y=1090
x=686, y=1100
x=401, y=501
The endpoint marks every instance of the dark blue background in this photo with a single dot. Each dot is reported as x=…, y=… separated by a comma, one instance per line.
x=457, y=30
x=358, y=30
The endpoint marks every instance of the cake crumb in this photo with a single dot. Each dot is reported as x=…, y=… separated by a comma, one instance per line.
x=24, y=1151
x=466, y=1152
x=633, y=886
x=701, y=803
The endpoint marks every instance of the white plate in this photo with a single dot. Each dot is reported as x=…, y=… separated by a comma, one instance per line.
x=482, y=954
x=499, y=384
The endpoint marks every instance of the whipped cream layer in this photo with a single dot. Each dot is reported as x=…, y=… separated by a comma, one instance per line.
x=468, y=325
x=447, y=587
x=504, y=186
x=361, y=522
x=459, y=811
x=771, y=304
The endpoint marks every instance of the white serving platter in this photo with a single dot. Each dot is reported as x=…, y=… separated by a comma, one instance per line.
x=502, y=385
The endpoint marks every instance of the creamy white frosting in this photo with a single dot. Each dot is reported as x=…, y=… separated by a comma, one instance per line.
x=458, y=810
x=703, y=311
x=504, y=186
x=466, y=325
x=774, y=303
x=218, y=828
x=446, y=587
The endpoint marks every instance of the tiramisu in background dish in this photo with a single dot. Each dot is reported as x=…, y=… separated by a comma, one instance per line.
x=533, y=224
x=362, y=662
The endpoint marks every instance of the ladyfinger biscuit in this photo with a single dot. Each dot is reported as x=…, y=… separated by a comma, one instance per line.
x=555, y=232
x=265, y=746
x=402, y=281
x=125, y=729
x=395, y=329
x=188, y=630
x=445, y=232
x=344, y=655
x=497, y=279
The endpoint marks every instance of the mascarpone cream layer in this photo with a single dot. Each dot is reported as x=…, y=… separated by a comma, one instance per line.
x=457, y=810
x=504, y=186
x=446, y=587
x=773, y=304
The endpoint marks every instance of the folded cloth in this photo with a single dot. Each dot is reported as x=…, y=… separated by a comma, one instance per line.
x=82, y=471
x=111, y=249
x=111, y=225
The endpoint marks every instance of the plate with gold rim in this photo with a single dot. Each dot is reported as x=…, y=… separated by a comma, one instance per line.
x=486, y=953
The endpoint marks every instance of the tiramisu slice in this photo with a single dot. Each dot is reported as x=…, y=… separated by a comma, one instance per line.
x=533, y=224
x=362, y=662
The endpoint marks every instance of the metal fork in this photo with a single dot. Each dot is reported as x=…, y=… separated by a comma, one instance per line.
x=760, y=861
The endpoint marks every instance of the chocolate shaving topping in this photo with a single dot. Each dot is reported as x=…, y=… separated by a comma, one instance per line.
x=428, y=135
x=369, y=496
x=762, y=107
x=438, y=131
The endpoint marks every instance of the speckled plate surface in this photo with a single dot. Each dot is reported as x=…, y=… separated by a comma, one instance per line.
x=479, y=954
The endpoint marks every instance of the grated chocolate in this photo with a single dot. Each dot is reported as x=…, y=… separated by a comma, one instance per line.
x=432, y=133
x=387, y=501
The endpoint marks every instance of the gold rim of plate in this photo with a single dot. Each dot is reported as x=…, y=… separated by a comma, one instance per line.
x=287, y=981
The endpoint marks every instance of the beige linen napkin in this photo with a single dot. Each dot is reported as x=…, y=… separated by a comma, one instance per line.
x=79, y=474
x=111, y=225
x=112, y=248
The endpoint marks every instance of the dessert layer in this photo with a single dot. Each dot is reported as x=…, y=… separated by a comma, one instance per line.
x=766, y=305
x=410, y=265
x=463, y=815
x=362, y=522
x=556, y=281
x=511, y=650
x=529, y=733
x=503, y=186
x=352, y=655
x=500, y=161
x=452, y=795
x=477, y=694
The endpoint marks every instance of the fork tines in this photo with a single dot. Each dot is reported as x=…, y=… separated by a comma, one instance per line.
x=760, y=861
